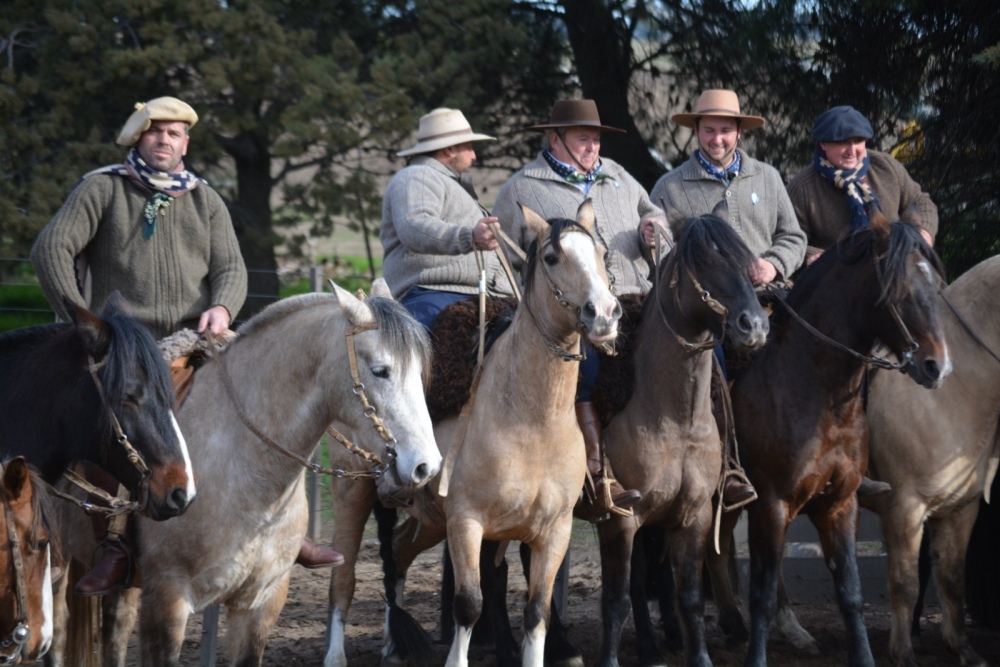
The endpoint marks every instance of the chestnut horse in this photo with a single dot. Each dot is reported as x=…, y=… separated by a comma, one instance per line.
x=515, y=459
x=26, y=561
x=296, y=366
x=800, y=421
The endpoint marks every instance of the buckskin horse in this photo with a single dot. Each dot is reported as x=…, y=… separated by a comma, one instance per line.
x=515, y=460
x=26, y=561
x=96, y=389
x=798, y=408
x=253, y=416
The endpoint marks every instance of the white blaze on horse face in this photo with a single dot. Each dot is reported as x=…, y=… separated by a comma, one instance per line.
x=418, y=457
x=188, y=468
x=47, y=605
x=604, y=326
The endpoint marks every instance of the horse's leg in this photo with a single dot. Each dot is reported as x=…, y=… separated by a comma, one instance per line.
x=722, y=577
x=547, y=553
x=658, y=564
x=247, y=629
x=767, y=521
x=924, y=576
x=120, y=611
x=465, y=541
x=163, y=616
x=949, y=541
x=903, y=528
x=786, y=623
x=837, y=532
x=60, y=619
x=616, y=537
x=353, y=500
x=639, y=579
x=559, y=651
x=687, y=551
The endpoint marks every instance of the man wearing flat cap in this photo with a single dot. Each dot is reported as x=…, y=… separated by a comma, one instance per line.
x=432, y=221
x=846, y=181
x=719, y=171
x=568, y=170
x=157, y=233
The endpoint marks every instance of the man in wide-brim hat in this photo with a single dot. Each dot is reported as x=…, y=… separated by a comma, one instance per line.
x=757, y=207
x=432, y=221
x=568, y=170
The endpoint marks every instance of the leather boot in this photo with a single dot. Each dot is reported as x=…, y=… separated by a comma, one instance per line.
x=312, y=556
x=114, y=571
x=736, y=488
x=870, y=487
x=607, y=495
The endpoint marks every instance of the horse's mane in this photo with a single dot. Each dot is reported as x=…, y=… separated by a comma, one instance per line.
x=904, y=238
x=401, y=334
x=131, y=340
x=558, y=225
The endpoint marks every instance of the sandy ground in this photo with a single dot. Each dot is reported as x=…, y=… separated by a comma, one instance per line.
x=299, y=637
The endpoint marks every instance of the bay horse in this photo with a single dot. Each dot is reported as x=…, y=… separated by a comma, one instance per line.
x=92, y=389
x=515, y=461
x=939, y=451
x=799, y=417
x=26, y=561
x=666, y=441
x=296, y=367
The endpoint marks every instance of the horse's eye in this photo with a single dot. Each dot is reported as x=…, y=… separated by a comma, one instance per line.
x=41, y=545
x=551, y=260
x=381, y=372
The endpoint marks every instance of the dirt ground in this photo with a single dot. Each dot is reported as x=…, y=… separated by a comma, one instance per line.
x=299, y=637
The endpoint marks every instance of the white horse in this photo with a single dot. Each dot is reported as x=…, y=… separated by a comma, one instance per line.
x=299, y=365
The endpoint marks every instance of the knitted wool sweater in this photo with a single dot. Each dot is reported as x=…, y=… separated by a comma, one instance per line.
x=620, y=204
x=191, y=263
x=426, y=233
x=823, y=211
x=759, y=208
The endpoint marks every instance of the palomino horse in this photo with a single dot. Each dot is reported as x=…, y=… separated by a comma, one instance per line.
x=798, y=406
x=939, y=450
x=26, y=561
x=93, y=389
x=665, y=441
x=516, y=461
x=297, y=366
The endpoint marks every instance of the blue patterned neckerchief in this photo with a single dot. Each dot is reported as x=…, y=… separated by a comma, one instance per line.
x=165, y=185
x=860, y=198
x=571, y=175
x=725, y=175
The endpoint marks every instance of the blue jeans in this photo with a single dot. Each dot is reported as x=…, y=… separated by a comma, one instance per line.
x=425, y=304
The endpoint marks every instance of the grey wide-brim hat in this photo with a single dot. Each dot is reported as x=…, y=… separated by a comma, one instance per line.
x=574, y=113
x=840, y=124
x=162, y=108
x=719, y=104
x=442, y=128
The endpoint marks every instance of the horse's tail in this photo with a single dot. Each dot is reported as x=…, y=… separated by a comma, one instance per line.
x=83, y=626
x=406, y=638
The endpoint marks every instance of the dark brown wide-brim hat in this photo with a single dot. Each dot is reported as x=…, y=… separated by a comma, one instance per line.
x=574, y=113
x=719, y=104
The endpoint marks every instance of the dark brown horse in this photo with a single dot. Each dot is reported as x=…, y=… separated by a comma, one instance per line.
x=799, y=416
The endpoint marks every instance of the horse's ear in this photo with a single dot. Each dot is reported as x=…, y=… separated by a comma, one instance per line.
x=676, y=220
x=116, y=305
x=93, y=331
x=721, y=209
x=585, y=216
x=880, y=226
x=538, y=226
x=16, y=476
x=912, y=215
x=380, y=288
x=357, y=313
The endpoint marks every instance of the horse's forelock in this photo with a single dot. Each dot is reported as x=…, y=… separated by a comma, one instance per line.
x=401, y=334
x=558, y=226
x=904, y=238
x=702, y=233
x=132, y=344
x=41, y=510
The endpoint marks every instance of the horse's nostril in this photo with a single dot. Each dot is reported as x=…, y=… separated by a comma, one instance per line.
x=931, y=369
x=590, y=308
x=177, y=499
x=420, y=473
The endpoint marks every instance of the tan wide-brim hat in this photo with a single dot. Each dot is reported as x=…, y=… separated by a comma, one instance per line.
x=162, y=108
x=720, y=104
x=574, y=113
x=442, y=128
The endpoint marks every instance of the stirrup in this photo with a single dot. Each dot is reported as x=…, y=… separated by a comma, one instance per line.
x=741, y=477
x=599, y=491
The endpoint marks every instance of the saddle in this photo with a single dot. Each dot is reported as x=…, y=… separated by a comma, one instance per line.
x=185, y=351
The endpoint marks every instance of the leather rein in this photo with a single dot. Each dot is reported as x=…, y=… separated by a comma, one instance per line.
x=379, y=466
x=19, y=636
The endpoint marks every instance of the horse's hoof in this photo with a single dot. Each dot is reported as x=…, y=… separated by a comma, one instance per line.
x=732, y=625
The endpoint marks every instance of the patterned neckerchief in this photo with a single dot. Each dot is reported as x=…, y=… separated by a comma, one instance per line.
x=725, y=175
x=860, y=197
x=572, y=175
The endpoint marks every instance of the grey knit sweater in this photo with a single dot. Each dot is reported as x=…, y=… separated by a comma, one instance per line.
x=823, y=211
x=620, y=204
x=191, y=263
x=426, y=233
x=759, y=208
